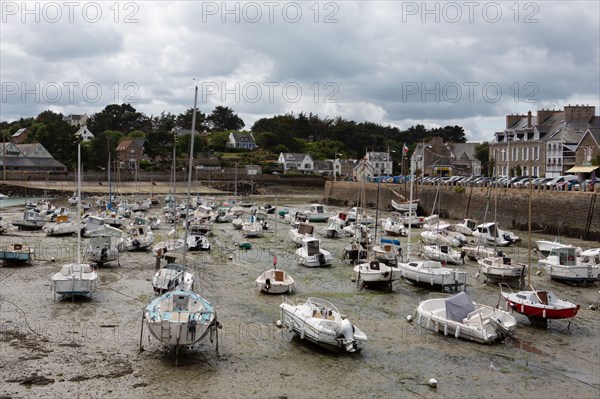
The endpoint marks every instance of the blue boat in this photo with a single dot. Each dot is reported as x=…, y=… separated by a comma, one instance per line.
x=16, y=253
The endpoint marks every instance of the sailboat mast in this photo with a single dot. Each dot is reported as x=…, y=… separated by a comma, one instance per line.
x=190, y=167
x=109, y=205
x=529, y=232
x=410, y=200
x=79, y=202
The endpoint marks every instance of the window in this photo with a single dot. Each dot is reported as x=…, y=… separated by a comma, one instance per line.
x=515, y=154
x=588, y=154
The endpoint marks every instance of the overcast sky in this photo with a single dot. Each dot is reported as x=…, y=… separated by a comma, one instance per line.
x=389, y=62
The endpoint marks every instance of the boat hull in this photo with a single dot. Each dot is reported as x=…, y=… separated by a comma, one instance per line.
x=539, y=311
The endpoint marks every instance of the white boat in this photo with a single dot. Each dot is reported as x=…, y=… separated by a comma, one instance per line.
x=224, y=215
x=171, y=277
x=198, y=242
x=563, y=264
x=252, y=228
x=139, y=238
x=393, y=227
x=475, y=252
x=17, y=253
x=459, y=316
x=200, y=225
x=545, y=246
x=360, y=232
x=180, y=318
x=386, y=253
x=62, y=227
x=490, y=233
x=167, y=246
x=354, y=252
x=31, y=220
x=375, y=273
x=443, y=253
x=104, y=247
x=91, y=225
x=359, y=215
x=275, y=281
x=465, y=227
x=408, y=219
x=311, y=254
x=3, y=225
x=405, y=206
x=316, y=213
x=75, y=279
x=443, y=236
x=335, y=225
x=268, y=208
x=431, y=274
x=319, y=322
x=303, y=230
x=502, y=269
x=73, y=199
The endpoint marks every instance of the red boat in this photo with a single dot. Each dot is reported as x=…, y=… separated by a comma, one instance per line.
x=539, y=304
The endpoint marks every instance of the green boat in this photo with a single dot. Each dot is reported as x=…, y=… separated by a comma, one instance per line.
x=245, y=245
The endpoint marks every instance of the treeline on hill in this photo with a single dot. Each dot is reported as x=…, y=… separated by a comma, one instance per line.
x=322, y=138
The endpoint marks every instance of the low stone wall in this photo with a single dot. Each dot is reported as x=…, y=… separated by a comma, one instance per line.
x=570, y=213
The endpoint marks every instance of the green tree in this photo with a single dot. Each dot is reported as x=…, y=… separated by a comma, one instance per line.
x=223, y=118
x=184, y=120
x=159, y=144
x=217, y=141
x=122, y=118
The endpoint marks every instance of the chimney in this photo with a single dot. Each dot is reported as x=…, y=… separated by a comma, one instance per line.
x=529, y=119
x=512, y=119
x=544, y=114
x=579, y=113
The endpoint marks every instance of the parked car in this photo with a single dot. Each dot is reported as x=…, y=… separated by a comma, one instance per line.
x=560, y=181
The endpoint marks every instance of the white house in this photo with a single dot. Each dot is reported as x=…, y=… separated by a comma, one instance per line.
x=302, y=163
x=241, y=140
x=380, y=163
x=84, y=133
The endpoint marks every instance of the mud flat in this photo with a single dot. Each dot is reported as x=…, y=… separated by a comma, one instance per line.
x=90, y=347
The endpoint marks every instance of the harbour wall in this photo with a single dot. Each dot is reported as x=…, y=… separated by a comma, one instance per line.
x=568, y=213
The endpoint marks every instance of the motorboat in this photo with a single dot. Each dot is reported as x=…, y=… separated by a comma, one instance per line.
x=431, y=274
x=490, y=233
x=335, y=225
x=311, y=254
x=386, y=253
x=303, y=230
x=268, y=208
x=466, y=227
x=167, y=246
x=538, y=305
x=92, y=224
x=359, y=231
x=62, y=227
x=31, y=220
x=180, y=318
x=405, y=206
x=104, y=247
x=198, y=242
x=375, y=273
x=359, y=215
x=316, y=213
x=502, y=268
x=545, y=246
x=252, y=228
x=16, y=253
x=139, y=238
x=475, y=252
x=173, y=276
x=319, y=321
x=354, y=252
x=408, y=219
x=3, y=225
x=443, y=236
x=563, y=264
x=224, y=215
x=393, y=227
x=275, y=281
x=443, y=253
x=75, y=279
x=458, y=315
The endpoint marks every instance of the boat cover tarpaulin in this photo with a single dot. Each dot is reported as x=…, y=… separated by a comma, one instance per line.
x=458, y=307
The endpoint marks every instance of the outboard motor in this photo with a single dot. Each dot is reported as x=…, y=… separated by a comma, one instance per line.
x=346, y=336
